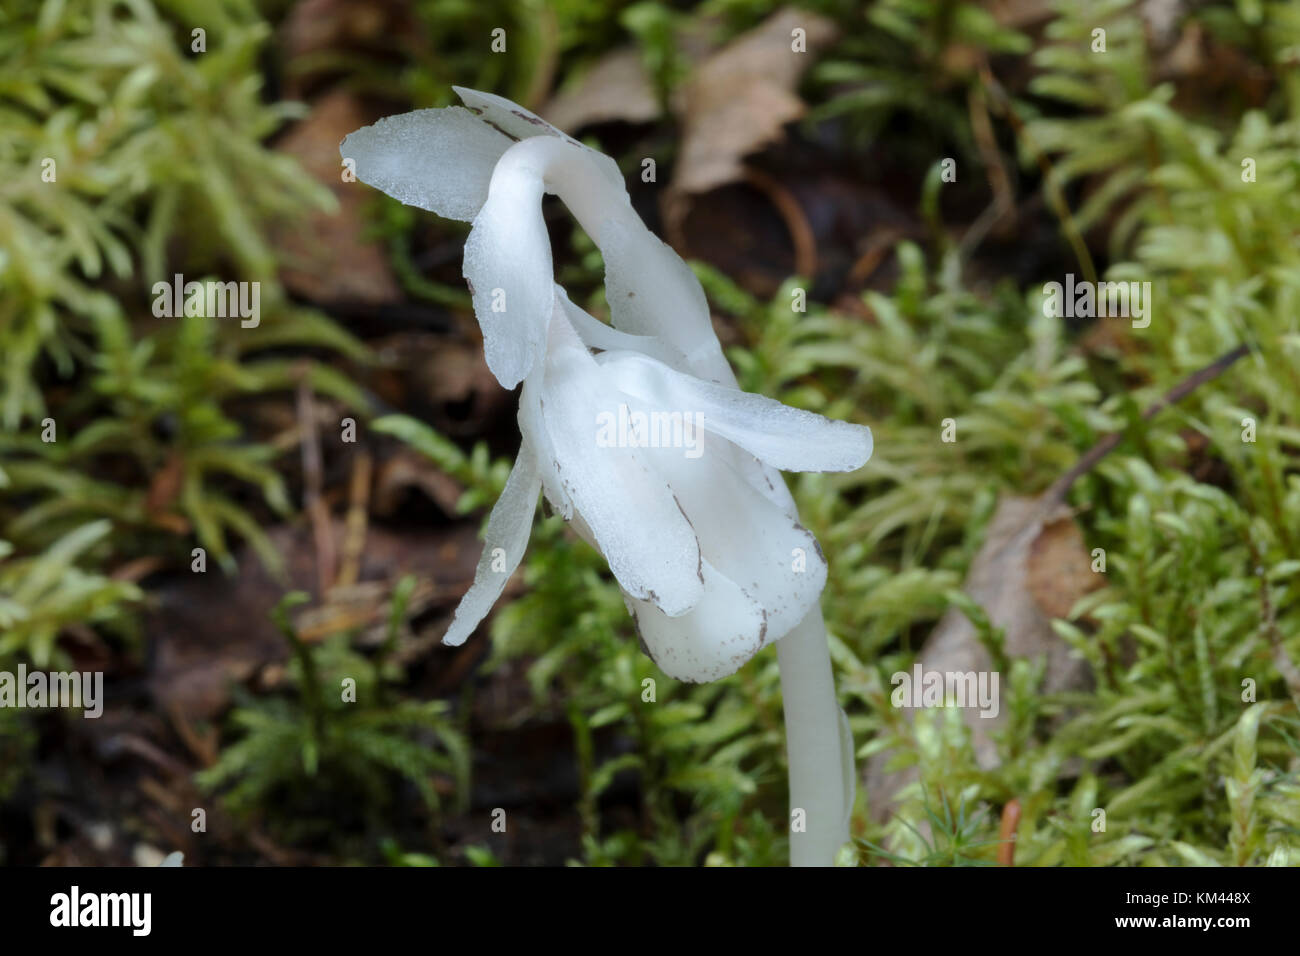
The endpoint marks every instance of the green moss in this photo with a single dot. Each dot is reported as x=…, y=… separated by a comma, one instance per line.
x=162, y=166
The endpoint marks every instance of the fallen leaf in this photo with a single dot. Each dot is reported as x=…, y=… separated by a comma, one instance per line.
x=463, y=393
x=329, y=260
x=1060, y=568
x=738, y=100
x=165, y=485
x=409, y=469
x=616, y=88
x=442, y=380
x=1028, y=540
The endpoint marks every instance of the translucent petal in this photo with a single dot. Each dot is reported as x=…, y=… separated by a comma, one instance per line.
x=651, y=291
x=786, y=438
x=636, y=522
x=518, y=123
x=764, y=479
x=597, y=335
x=504, y=540
x=532, y=426
x=745, y=536
x=724, y=630
x=511, y=280
x=440, y=160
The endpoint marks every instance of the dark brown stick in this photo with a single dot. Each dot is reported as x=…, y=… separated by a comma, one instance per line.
x=1056, y=494
x=313, y=485
x=1268, y=619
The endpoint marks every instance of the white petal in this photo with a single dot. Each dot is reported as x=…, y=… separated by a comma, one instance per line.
x=651, y=291
x=637, y=523
x=518, y=123
x=511, y=280
x=532, y=425
x=508, y=528
x=744, y=535
x=597, y=335
x=786, y=438
x=440, y=160
x=764, y=479
x=723, y=631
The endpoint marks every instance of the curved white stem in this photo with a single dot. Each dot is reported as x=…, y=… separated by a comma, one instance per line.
x=639, y=268
x=819, y=750
x=570, y=172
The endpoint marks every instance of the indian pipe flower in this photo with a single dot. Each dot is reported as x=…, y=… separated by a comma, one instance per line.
x=637, y=434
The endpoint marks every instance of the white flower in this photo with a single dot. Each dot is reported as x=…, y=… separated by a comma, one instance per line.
x=706, y=546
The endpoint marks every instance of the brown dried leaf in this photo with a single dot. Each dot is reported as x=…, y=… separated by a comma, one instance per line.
x=1060, y=568
x=616, y=88
x=408, y=469
x=1027, y=543
x=165, y=485
x=739, y=99
x=331, y=263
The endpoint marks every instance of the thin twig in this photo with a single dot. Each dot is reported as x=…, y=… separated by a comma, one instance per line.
x=792, y=214
x=354, y=541
x=313, y=484
x=1268, y=617
x=987, y=143
x=1056, y=493
x=878, y=247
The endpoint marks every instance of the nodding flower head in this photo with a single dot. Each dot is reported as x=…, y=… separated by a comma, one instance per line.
x=635, y=432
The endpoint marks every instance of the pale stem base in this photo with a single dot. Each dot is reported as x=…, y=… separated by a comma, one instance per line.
x=821, y=785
